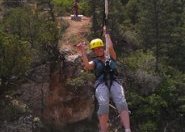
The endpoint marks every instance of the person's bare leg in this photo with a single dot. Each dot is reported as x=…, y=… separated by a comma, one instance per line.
x=103, y=120
x=125, y=120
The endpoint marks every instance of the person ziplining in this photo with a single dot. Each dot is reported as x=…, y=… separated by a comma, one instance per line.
x=107, y=84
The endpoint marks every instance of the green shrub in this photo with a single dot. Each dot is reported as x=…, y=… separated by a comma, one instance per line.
x=79, y=84
x=63, y=6
x=141, y=60
x=149, y=126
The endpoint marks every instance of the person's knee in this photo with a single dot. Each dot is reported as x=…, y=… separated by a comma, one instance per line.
x=122, y=106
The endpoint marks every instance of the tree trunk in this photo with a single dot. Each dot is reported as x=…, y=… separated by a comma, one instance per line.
x=157, y=35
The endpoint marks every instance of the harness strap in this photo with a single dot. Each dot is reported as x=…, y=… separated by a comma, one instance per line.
x=108, y=74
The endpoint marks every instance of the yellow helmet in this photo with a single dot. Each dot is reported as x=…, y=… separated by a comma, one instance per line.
x=95, y=43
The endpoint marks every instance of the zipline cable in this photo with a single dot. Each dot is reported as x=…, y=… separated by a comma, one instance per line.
x=107, y=55
x=106, y=9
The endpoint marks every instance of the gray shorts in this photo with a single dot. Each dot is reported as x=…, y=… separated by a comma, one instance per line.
x=103, y=95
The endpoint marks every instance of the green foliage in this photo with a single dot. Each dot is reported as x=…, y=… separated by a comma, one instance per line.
x=15, y=56
x=77, y=84
x=64, y=26
x=38, y=30
x=28, y=38
x=151, y=26
x=155, y=27
x=173, y=86
x=64, y=6
x=149, y=126
x=161, y=29
x=163, y=104
x=17, y=20
x=85, y=7
x=132, y=38
x=172, y=91
x=132, y=9
x=147, y=111
x=121, y=23
x=141, y=60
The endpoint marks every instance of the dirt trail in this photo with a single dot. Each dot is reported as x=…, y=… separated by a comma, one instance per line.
x=75, y=33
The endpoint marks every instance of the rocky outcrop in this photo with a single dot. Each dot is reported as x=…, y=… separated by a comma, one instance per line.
x=70, y=94
x=26, y=123
x=59, y=93
x=59, y=96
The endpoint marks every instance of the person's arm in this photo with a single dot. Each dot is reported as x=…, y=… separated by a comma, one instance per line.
x=87, y=65
x=111, y=48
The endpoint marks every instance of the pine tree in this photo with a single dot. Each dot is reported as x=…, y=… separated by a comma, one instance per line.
x=159, y=26
x=175, y=53
x=15, y=58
